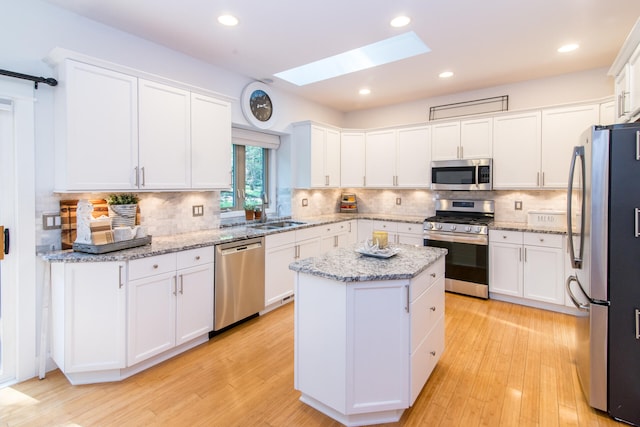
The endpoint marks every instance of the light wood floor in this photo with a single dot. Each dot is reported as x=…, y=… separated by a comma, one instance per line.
x=504, y=365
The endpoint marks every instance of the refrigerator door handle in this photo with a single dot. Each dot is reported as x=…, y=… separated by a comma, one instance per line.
x=638, y=145
x=573, y=298
x=637, y=324
x=578, y=152
x=637, y=231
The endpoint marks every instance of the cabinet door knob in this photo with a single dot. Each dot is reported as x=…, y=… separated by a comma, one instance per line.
x=155, y=265
x=433, y=353
x=504, y=236
x=433, y=274
x=542, y=240
x=433, y=308
x=198, y=258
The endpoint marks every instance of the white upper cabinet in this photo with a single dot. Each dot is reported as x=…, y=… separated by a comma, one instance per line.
x=316, y=156
x=561, y=130
x=398, y=158
x=413, y=157
x=626, y=72
x=516, y=150
x=381, y=158
x=476, y=138
x=352, y=159
x=118, y=131
x=465, y=139
x=96, y=144
x=445, y=141
x=165, y=136
x=210, y=142
x=607, y=113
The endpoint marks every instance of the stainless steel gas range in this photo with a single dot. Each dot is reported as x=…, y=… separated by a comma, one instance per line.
x=462, y=226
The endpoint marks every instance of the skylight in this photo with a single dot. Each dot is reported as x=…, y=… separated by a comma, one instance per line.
x=383, y=52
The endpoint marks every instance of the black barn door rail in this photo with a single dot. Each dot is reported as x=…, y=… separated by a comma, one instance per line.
x=50, y=81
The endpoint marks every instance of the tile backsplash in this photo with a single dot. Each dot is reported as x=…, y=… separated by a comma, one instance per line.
x=422, y=202
x=170, y=213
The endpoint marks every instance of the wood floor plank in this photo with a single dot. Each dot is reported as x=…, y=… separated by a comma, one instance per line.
x=503, y=365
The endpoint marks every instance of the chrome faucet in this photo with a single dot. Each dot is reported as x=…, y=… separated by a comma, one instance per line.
x=265, y=201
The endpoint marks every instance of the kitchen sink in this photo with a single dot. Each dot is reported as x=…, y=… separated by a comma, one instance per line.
x=276, y=225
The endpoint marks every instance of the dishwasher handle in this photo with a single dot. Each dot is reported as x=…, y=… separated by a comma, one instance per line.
x=241, y=248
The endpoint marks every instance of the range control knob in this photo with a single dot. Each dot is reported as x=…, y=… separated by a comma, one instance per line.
x=467, y=229
x=439, y=226
x=453, y=227
x=477, y=229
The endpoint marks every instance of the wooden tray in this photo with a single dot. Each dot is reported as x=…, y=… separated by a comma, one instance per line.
x=110, y=247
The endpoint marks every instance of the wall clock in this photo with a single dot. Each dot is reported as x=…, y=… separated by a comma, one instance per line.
x=258, y=105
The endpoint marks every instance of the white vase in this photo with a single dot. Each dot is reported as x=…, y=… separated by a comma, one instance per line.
x=123, y=215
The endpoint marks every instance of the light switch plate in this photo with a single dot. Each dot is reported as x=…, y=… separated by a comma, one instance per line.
x=518, y=205
x=398, y=200
x=51, y=221
x=305, y=202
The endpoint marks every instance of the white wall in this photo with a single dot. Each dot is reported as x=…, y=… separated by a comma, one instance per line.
x=575, y=87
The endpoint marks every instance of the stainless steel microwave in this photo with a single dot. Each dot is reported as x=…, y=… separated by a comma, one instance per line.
x=471, y=174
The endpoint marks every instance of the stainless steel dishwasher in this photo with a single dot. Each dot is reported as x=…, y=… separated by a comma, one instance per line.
x=239, y=281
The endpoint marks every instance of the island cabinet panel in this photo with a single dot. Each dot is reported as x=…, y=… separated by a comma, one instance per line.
x=364, y=349
x=377, y=339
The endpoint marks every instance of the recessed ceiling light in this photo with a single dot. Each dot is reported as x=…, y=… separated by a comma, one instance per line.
x=228, y=20
x=445, y=74
x=400, y=21
x=383, y=52
x=568, y=48
x=364, y=91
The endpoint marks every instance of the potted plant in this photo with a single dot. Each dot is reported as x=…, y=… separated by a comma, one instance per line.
x=257, y=212
x=249, y=208
x=122, y=209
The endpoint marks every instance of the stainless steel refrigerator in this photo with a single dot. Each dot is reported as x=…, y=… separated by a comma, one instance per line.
x=603, y=216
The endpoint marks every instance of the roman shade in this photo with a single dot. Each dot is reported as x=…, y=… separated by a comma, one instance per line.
x=258, y=139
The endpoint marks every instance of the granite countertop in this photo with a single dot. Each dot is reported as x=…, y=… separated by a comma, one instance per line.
x=523, y=226
x=228, y=233
x=346, y=265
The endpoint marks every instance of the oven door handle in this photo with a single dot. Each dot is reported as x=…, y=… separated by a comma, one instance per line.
x=472, y=239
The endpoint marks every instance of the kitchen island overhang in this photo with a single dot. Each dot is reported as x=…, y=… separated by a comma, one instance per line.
x=368, y=331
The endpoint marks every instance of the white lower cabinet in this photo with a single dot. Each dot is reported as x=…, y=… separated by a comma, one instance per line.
x=364, y=350
x=88, y=312
x=170, y=301
x=282, y=249
x=338, y=235
x=527, y=265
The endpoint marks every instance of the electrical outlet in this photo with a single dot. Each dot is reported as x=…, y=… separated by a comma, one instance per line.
x=398, y=201
x=305, y=202
x=197, y=210
x=518, y=205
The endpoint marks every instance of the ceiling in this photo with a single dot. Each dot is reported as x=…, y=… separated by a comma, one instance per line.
x=485, y=43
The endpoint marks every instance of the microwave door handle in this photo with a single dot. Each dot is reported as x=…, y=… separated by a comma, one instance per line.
x=477, y=176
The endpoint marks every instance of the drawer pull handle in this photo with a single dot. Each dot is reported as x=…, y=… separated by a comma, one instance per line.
x=433, y=353
x=433, y=309
x=542, y=240
x=155, y=265
x=198, y=258
x=504, y=237
x=433, y=275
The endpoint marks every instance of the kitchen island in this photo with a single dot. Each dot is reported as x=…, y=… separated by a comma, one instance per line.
x=368, y=331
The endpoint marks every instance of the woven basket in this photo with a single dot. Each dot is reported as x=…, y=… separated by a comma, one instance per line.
x=123, y=215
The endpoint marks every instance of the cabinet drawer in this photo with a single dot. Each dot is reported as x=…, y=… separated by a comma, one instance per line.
x=309, y=233
x=194, y=257
x=543, y=239
x=424, y=359
x=404, y=227
x=342, y=227
x=151, y=266
x=505, y=236
x=385, y=226
x=280, y=239
x=428, y=277
x=425, y=312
